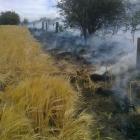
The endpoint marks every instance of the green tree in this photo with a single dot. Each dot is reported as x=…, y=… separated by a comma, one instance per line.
x=134, y=21
x=9, y=18
x=91, y=15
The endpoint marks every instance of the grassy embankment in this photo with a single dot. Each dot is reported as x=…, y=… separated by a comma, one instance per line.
x=35, y=103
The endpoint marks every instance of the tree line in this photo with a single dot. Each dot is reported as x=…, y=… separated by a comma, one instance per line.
x=91, y=15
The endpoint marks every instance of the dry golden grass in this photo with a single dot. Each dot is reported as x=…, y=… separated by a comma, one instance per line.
x=34, y=103
x=21, y=55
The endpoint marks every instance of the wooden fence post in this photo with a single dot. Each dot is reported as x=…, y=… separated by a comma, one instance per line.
x=138, y=54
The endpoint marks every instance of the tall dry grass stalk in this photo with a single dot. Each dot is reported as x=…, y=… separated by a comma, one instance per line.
x=34, y=103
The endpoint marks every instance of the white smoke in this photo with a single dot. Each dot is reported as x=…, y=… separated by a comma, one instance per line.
x=117, y=52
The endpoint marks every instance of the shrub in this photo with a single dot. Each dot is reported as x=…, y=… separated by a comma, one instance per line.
x=9, y=18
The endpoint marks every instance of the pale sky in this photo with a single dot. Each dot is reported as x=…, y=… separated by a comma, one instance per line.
x=31, y=9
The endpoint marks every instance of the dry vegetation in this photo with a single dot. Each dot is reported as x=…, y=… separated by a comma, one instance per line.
x=35, y=103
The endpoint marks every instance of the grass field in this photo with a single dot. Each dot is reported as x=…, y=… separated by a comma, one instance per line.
x=35, y=104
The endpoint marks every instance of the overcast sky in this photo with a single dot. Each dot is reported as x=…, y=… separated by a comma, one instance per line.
x=31, y=9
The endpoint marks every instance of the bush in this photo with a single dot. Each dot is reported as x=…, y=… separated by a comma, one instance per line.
x=9, y=18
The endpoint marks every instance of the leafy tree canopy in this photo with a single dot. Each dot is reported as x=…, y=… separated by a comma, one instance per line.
x=9, y=18
x=91, y=15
